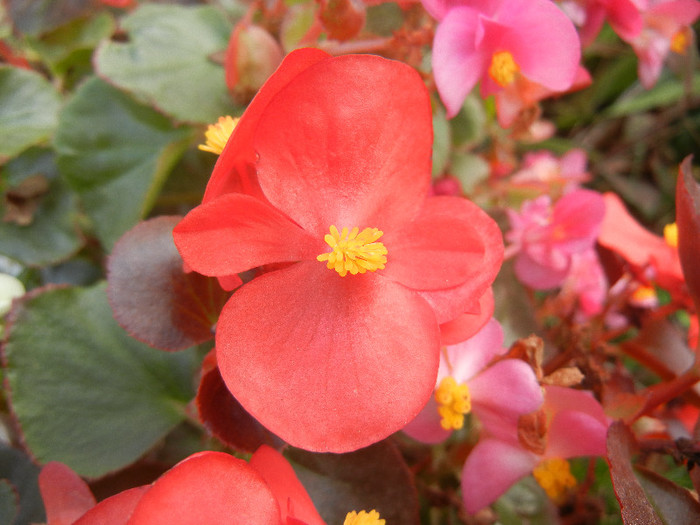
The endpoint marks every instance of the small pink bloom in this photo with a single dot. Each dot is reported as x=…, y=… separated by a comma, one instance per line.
x=574, y=425
x=543, y=172
x=666, y=28
x=495, y=42
x=624, y=17
x=546, y=237
x=587, y=284
x=470, y=363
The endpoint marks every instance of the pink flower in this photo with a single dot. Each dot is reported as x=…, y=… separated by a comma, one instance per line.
x=624, y=17
x=571, y=423
x=467, y=370
x=497, y=41
x=546, y=237
x=542, y=172
x=666, y=28
x=587, y=284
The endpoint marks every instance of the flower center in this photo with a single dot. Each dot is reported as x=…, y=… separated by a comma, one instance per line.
x=453, y=403
x=671, y=234
x=503, y=68
x=217, y=134
x=554, y=476
x=363, y=518
x=354, y=251
x=680, y=41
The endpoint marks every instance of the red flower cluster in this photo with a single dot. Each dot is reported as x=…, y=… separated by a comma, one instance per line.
x=323, y=188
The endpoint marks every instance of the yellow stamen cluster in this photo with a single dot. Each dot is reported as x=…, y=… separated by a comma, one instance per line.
x=503, y=68
x=217, y=134
x=363, y=518
x=671, y=234
x=681, y=41
x=644, y=296
x=554, y=476
x=354, y=251
x=454, y=402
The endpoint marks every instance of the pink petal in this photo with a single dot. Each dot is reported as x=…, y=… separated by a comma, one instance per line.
x=426, y=426
x=208, y=487
x=625, y=18
x=572, y=433
x=348, y=142
x=541, y=38
x=465, y=360
x=503, y=392
x=490, y=470
x=457, y=62
x=538, y=276
x=328, y=363
x=237, y=232
x=290, y=494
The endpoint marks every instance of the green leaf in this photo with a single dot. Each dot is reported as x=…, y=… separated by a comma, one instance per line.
x=116, y=154
x=83, y=392
x=8, y=502
x=29, y=108
x=52, y=234
x=666, y=92
x=21, y=474
x=167, y=63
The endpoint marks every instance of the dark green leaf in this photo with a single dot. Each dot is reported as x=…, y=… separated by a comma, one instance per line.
x=22, y=475
x=372, y=478
x=84, y=393
x=167, y=63
x=116, y=154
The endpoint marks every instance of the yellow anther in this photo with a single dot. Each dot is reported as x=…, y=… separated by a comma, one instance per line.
x=681, y=41
x=554, y=476
x=217, y=134
x=363, y=518
x=671, y=234
x=503, y=68
x=644, y=296
x=354, y=251
x=453, y=403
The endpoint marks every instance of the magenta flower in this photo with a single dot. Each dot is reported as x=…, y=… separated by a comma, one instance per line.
x=546, y=237
x=571, y=423
x=496, y=41
x=666, y=28
x=467, y=382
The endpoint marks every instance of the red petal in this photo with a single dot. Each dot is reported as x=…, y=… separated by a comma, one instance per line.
x=328, y=363
x=66, y=496
x=293, y=500
x=468, y=324
x=209, y=487
x=451, y=241
x=234, y=170
x=115, y=510
x=688, y=221
x=236, y=232
x=348, y=142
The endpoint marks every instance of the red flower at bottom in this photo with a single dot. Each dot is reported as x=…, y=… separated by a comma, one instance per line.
x=328, y=171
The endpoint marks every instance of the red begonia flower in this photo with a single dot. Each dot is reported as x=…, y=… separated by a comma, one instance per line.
x=334, y=358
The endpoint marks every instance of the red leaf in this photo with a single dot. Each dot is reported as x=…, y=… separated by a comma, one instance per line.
x=673, y=503
x=688, y=221
x=151, y=296
x=636, y=509
x=227, y=419
x=66, y=496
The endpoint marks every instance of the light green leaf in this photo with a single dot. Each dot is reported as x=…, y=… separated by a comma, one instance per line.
x=116, y=154
x=83, y=391
x=29, y=108
x=167, y=60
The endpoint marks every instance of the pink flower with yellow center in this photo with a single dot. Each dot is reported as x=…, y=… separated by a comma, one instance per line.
x=495, y=42
x=325, y=185
x=471, y=380
x=571, y=423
